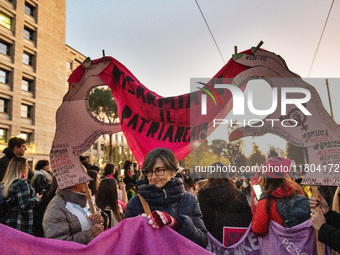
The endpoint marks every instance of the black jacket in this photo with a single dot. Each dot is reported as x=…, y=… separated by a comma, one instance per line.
x=4, y=162
x=329, y=233
x=174, y=200
x=220, y=210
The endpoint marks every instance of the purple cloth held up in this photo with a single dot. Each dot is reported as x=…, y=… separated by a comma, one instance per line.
x=131, y=236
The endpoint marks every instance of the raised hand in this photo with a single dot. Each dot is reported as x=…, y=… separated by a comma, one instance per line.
x=158, y=219
x=318, y=131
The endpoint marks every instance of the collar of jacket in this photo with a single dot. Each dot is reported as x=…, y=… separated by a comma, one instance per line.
x=73, y=197
x=172, y=192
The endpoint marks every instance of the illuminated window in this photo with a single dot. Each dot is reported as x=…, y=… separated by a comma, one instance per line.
x=26, y=111
x=27, y=84
x=4, y=76
x=4, y=105
x=28, y=136
x=5, y=21
x=3, y=135
x=27, y=59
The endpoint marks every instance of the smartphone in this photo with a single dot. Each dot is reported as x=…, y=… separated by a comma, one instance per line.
x=257, y=190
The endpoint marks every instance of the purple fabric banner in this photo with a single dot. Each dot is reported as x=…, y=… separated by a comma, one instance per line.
x=131, y=237
x=296, y=240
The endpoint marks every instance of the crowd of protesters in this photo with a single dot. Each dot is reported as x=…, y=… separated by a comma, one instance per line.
x=176, y=198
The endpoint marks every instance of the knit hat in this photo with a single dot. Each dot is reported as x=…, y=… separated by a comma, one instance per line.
x=276, y=167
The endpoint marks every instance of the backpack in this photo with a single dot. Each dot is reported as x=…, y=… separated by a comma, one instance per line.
x=293, y=210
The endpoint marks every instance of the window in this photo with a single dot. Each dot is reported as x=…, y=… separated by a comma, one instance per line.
x=3, y=135
x=28, y=34
x=5, y=48
x=27, y=59
x=69, y=65
x=4, y=105
x=102, y=147
x=5, y=21
x=28, y=136
x=29, y=9
x=95, y=146
x=27, y=84
x=122, y=138
x=4, y=76
x=26, y=111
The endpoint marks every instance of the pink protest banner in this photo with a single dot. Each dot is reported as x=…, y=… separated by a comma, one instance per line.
x=149, y=120
x=232, y=235
x=248, y=244
x=131, y=236
x=303, y=121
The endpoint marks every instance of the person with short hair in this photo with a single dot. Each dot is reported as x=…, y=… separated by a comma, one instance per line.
x=169, y=203
x=109, y=170
x=16, y=147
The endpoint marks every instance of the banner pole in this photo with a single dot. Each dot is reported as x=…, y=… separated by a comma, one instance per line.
x=88, y=198
x=318, y=243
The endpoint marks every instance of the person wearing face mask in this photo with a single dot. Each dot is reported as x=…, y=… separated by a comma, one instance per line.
x=169, y=203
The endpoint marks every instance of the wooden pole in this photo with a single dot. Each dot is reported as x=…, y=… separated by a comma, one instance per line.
x=318, y=243
x=88, y=197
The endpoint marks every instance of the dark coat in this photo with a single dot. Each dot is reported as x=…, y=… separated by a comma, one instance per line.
x=4, y=162
x=221, y=210
x=329, y=233
x=173, y=200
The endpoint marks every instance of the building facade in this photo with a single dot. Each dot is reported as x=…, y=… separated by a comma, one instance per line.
x=35, y=63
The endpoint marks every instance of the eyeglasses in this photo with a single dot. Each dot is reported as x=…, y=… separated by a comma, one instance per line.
x=158, y=172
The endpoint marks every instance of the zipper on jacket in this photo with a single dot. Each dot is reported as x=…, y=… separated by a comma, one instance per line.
x=165, y=195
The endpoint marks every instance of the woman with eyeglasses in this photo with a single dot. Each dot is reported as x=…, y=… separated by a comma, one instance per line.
x=169, y=203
